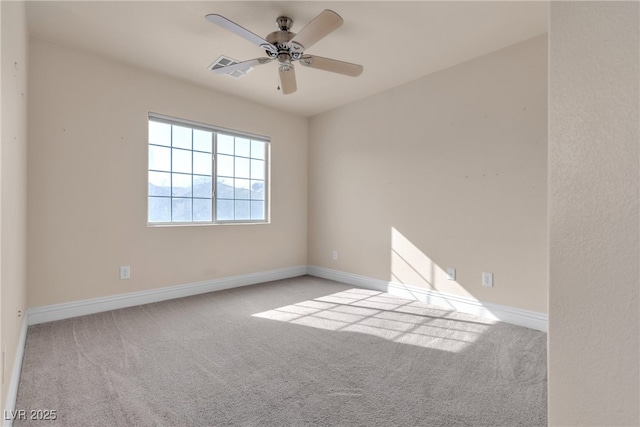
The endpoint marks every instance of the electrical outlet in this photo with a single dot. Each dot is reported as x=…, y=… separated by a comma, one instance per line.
x=487, y=279
x=334, y=255
x=125, y=272
x=451, y=273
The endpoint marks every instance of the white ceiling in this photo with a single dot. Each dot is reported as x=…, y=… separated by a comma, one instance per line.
x=396, y=42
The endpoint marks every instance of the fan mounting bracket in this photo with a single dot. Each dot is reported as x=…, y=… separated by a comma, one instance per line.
x=284, y=23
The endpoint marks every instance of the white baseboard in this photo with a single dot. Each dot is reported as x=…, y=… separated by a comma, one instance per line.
x=12, y=394
x=96, y=305
x=515, y=316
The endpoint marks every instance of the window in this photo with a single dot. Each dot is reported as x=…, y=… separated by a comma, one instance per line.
x=202, y=174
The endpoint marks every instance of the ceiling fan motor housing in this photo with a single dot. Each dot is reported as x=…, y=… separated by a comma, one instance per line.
x=286, y=51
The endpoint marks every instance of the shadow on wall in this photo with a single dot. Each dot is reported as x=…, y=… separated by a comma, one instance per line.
x=411, y=266
x=416, y=276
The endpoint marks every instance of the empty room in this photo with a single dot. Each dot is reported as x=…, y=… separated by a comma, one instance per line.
x=366, y=213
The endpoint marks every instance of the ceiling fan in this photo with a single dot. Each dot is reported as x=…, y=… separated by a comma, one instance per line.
x=287, y=47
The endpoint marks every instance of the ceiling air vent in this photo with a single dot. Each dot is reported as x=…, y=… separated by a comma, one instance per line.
x=225, y=61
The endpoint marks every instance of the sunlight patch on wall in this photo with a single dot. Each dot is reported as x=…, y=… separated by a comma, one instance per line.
x=411, y=266
x=381, y=315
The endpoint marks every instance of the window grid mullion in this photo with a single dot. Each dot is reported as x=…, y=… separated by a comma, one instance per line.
x=234, y=178
x=214, y=177
x=192, y=175
x=249, y=179
x=171, y=173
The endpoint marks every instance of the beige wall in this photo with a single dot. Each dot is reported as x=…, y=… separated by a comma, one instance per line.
x=594, y=105
x=445, y=171
x=88, y=182
x=13, y=182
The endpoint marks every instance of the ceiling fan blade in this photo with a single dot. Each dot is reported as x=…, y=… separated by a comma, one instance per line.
x=320, y=26
x=237, y=29
x=288, y=80
x=333, y=65
x=240, y=65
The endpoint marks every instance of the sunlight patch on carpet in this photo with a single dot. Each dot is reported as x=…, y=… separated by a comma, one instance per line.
x=381, y=315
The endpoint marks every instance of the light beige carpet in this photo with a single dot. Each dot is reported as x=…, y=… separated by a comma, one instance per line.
x=296, y=352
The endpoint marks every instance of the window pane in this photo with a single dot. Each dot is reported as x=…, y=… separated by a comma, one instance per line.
x=225, y=188
x=202, y=163
x=159, y=133
x=181, y=161
x=202, y=186
x=182, y=171
x=242, y=189
x=258, y=149
x=243, y=147
x=225, y=165
x=224, y=211
x=201, y=210
x=159, y=184
x=202, y=140
x=181, y=137
x=159, y=209
x=181, y=185
x=242, y=210
x=257, y=169
x=257, y=210
x=225, y=144
x=242, y=168
x=257, y=190
x=181, y=209
x=159, y=158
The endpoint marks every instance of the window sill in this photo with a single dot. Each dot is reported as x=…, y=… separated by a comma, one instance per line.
x=200, y=224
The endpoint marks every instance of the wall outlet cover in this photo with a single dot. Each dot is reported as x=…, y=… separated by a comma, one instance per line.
x=451, y=273
x=487, y=279
x=125, y=272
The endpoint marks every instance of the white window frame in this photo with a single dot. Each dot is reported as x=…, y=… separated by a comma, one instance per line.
x=215, y=131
